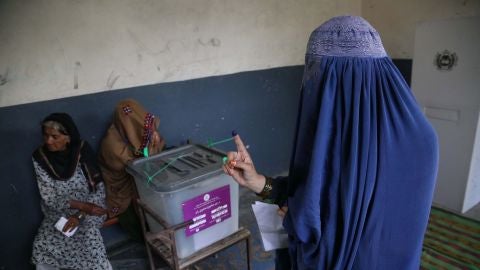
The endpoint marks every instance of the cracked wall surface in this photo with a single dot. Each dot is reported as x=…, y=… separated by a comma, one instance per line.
x=53, y=49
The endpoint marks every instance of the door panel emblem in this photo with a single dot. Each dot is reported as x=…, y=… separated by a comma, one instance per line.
x=445, y=60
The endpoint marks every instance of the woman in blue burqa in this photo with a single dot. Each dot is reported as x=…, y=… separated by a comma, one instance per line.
x=364, y=160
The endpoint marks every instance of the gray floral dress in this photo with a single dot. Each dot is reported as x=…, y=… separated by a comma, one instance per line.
x=83, y=250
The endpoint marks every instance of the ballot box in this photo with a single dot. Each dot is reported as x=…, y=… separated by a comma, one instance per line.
x=188, y=183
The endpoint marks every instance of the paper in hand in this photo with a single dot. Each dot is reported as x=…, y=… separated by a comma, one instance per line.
x=270, y=225
x=59, y=225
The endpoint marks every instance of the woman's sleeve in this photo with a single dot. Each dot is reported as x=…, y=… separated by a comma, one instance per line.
x=98, y=198
x=279, y=192
x=47, y=191
x=96, y=195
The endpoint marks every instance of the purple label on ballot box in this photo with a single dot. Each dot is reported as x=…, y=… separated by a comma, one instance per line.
x=207, y=209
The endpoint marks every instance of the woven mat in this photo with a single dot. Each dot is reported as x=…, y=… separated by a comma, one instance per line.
x=451, y=242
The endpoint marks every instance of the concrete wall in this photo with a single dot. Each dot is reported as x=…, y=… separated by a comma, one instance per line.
x=60, y=48
x=51, y=48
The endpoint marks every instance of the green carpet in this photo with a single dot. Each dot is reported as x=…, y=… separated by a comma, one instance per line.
x=451, y=242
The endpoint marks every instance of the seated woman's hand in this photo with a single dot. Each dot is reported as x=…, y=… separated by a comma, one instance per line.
x=72, y=222
x=93, y=209
x=88, y=208
x=98, y=211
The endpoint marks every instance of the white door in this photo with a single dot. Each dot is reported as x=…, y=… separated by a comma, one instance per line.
x=446, y=82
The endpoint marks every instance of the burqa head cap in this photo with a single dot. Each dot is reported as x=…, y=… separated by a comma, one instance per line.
x=345, y=36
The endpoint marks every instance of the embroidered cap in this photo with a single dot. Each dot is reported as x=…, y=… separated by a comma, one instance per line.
x=345, y=36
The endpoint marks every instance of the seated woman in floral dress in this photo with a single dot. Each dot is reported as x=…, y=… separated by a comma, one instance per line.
x=70, y=186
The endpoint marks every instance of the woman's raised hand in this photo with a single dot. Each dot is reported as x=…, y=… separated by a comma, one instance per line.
x=240, y=166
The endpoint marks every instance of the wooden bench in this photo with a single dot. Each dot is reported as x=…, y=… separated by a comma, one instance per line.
x=110, y=222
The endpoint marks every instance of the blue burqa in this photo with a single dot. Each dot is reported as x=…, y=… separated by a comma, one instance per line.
x=365, y=158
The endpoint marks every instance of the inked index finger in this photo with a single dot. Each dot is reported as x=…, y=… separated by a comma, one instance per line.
x=240, y=146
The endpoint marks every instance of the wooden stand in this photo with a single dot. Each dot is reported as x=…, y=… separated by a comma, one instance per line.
x=163, y=242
